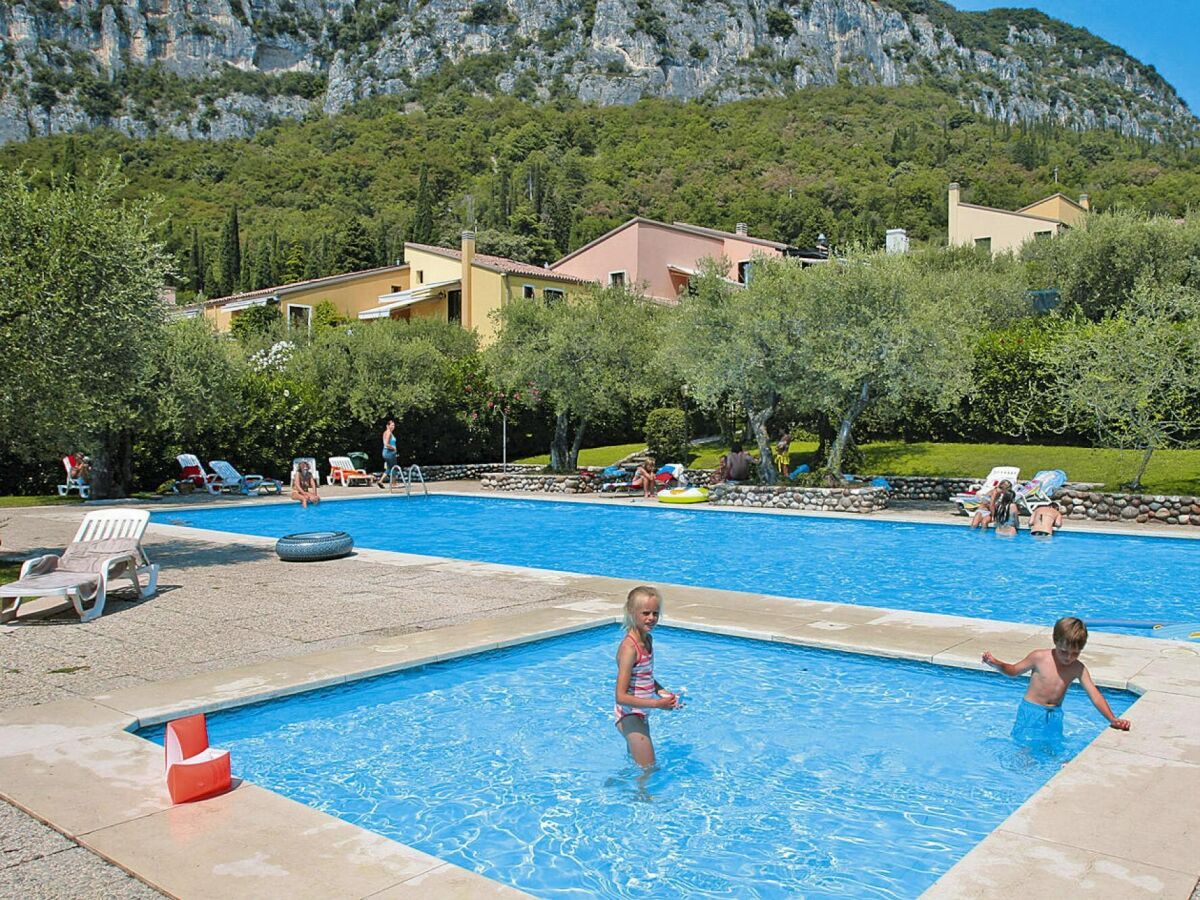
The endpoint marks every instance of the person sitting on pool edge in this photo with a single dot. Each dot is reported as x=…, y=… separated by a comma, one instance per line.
x=1045, y=520
x=984, y=512
x=644, y=477
x=1040, y=717
x=304, y=485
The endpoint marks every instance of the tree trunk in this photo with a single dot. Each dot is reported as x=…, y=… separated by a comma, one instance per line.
x=1136, y=484
x=559, y=445
x=846, y=429
x=573, y=461
x=111, y=466
x=757, y=422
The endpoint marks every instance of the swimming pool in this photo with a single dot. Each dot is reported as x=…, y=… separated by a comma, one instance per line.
x=931, y=568
x=791, y=771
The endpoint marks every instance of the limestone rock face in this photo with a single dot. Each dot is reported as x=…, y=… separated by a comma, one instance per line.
x=224, y=68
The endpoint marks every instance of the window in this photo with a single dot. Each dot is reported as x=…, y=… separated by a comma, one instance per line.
x=744, y=268
x=983, y=244
x=616, y=279
x=299, y=317
x=553, y=295
x=528, y=292
x=396, y=289
x=420, y=276
x=1042, y=235
x=454, y=306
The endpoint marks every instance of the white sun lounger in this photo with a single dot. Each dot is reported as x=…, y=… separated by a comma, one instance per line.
x=107, y=545
x=969, y=501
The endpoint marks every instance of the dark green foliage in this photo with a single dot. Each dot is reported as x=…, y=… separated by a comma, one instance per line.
x=256, y=322
x=355, y=250
x=422, y=226
x=666, y=435
x=649, y=20
x=698, y=51
x=229, y=261
x=779, y=23
x=488, y=12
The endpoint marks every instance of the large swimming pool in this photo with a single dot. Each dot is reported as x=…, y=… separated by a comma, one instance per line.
x=932, y=568
x=790, y=772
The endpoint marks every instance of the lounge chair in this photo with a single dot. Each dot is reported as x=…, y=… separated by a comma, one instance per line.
x=615, y=478
x=341, y=469
x=970, y=500
x=107, y=545
x=74, y=483
x=1039, y=491
x=230, y=479
x=193, y=473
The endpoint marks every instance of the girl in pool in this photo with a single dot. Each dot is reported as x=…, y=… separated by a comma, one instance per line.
x=637, y=691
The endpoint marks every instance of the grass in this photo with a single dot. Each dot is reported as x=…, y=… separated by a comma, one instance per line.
x=39, y=500
x=1170, y=471
x=9, y=572
x=597, y=456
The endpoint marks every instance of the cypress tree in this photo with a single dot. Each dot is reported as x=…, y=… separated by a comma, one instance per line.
x=196, y=263
x=355, y=250
x=230, y=263
x=422, y=226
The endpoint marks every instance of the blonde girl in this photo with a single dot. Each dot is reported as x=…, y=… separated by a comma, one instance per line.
x=637, y=691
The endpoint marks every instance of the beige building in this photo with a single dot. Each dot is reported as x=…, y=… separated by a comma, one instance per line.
x=434, y=282
x=999, y=230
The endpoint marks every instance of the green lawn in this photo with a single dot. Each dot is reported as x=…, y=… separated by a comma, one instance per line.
x=597, y=456
x=1170, y=471
x=40, y=500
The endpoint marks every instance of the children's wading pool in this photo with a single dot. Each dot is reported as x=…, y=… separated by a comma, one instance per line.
x=932, y=568
x=790, y=772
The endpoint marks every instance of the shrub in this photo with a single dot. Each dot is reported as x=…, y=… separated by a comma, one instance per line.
x=779, y=23
x=666, y=435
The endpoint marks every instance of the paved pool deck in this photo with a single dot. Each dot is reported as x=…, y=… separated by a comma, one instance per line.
x=231, y=625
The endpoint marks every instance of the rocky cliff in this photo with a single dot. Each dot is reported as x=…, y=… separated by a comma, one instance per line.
x=222, y=68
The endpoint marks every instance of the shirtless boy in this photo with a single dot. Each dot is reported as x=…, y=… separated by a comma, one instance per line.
x=1046, y=519
x=1040, y=717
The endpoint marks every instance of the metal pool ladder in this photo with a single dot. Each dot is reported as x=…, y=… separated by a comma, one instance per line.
x=407, y=477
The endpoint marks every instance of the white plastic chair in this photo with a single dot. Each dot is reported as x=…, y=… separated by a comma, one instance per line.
x=193, y=473
x=73, y=483
x=967, y=502
x=343, y=470
x=230, y=479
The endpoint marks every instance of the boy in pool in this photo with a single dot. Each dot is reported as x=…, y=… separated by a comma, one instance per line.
x=1045, y=520
x=1040, y=717
x=637, y=691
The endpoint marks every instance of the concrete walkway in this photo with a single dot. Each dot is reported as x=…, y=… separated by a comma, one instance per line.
x=221, y=606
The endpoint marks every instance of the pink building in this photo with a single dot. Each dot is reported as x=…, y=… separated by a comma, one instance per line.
x=658, y=259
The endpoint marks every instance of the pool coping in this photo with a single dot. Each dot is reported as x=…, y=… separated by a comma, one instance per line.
x=1110, y=821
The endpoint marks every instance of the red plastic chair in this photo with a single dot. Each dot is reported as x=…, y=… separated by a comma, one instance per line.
x=194, y=770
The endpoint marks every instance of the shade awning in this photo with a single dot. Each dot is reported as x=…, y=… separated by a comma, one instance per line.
x=401, y=299
x=246, y=304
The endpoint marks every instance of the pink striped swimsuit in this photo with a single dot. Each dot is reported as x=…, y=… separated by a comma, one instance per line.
x=641, y=681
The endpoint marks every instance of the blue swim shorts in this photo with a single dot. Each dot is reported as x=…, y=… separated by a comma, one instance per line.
x=1038, y=724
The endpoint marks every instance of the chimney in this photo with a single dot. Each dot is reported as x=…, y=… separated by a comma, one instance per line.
x=742, y=229
x=468, y=258
x=1085, y=202
x=952, y=216
x=897, y=240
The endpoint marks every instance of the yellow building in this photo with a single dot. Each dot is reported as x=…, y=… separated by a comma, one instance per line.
x=999, y=230
x=434, y=282
x=349, y=293
x=468, y=287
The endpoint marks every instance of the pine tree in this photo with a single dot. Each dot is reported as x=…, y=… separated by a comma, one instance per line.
x=293, y=263
x=230, y=262
x=383, y=243
x=248, y=271
x=422, y=226
x=355, y=250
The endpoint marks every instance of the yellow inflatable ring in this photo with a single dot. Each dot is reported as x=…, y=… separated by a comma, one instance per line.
x=683, y=495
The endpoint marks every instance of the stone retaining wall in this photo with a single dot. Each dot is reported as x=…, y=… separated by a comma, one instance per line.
x=854, y=500
x=471, y=471
x=921, y=487
x=551, y=484
x=1152, y=508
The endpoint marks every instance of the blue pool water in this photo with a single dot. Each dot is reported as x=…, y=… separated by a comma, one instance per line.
x=933, y=568
x=790, y=771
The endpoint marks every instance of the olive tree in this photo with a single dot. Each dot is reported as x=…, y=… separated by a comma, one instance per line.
x=1134, y=376
x=80, y=316
x=726, y=340
x=879, y=330
x=588, y=357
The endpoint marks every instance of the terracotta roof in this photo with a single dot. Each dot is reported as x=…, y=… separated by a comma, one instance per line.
x=301, y=285
x=501, y=264
x=674, y=226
